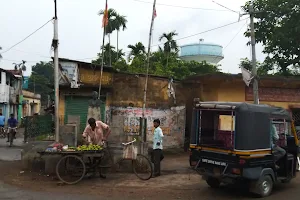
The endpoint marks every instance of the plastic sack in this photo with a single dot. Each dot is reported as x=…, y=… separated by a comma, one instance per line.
x=130, y=152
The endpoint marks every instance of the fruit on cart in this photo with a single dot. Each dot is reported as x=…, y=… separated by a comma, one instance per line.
x=90, y=147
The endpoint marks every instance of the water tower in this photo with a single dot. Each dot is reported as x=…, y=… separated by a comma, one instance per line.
x=202, y=51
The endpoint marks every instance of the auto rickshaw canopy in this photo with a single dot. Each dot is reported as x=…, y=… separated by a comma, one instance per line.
x=252, y=122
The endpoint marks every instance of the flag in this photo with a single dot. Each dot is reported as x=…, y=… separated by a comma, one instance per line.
x=154, y=13
x=247, y=76
x=105, y=17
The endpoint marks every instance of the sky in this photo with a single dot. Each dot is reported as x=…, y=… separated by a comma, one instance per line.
x=80, y=28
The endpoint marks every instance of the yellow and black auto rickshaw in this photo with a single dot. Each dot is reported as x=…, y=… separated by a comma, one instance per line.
x=232, y=143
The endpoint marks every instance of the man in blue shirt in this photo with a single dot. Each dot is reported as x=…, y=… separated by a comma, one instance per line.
x=157, y=147
x=12, y=123
x=2, y=120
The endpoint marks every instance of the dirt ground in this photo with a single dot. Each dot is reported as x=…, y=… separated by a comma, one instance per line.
x=175, y=175
x=176, y=182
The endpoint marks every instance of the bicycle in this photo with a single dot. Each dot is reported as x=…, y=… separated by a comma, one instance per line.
x=141, y=165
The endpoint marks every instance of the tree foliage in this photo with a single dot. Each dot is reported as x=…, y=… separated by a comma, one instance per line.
x=277, y=28
x=41, y=77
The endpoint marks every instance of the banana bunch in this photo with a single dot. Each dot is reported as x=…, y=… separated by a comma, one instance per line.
x=90, y=147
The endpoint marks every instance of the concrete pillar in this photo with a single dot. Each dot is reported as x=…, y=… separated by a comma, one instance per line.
x=3, y=78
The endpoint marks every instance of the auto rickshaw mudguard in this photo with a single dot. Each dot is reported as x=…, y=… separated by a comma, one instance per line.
x=257, y=172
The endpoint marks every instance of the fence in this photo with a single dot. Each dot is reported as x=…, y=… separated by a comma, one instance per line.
x=38, y=126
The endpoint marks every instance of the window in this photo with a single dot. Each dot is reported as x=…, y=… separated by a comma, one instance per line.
x=217, y=128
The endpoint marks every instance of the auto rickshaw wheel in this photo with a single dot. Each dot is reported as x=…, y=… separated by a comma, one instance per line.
x=264, y=186
x=213, y=182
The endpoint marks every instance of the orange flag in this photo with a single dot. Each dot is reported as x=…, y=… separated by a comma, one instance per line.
x=105, y=17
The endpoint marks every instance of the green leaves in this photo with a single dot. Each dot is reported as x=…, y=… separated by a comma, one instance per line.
x=277, y=28
x=40, y=80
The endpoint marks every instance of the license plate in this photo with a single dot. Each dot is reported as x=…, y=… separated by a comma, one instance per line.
x=217, y=171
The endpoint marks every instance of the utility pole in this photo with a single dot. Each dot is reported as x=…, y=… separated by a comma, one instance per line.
x=144, y=133
x=254, y=70
x=56, y=74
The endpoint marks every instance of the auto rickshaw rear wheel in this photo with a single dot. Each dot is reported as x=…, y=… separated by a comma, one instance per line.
x=264, y=186
x=213, y=182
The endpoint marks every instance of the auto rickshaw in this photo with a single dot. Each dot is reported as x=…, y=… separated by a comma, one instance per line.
x=231, y=143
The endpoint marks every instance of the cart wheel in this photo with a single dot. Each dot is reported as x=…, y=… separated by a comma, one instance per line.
x=70, y=169
x=142, y=167
x=213, y=182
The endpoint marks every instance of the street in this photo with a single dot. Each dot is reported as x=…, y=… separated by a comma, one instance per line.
x=146, y=190
x=176, y=182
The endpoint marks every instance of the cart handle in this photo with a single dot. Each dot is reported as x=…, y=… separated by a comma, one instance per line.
x=133, y=141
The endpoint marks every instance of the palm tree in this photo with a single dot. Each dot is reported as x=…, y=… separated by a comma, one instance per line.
x=115, y=22
x=136, y=50
x=111, y=26
x=121, y=22
x=170, y=44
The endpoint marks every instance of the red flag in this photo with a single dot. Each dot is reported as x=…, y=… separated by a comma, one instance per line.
x=105, y=17
x=154, y=13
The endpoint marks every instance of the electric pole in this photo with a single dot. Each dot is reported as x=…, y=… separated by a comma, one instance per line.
x=144, y=129
x=253, y=42
x=56, y=74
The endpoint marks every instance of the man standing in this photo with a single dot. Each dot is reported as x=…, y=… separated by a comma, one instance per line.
x=157, y=146
x=12, y=123
x=2, y=120
x=94, y=134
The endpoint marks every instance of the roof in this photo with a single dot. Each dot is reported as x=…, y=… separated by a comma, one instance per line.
x=202, y=43
x=14, y=72
x=245, y=107
x=222, y=75
x=10, y=72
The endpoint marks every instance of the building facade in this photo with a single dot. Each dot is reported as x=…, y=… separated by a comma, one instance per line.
x=31, y=103
x=122, y=100
x=9, y=93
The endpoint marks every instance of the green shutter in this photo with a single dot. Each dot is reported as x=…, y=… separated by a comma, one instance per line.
x=77, y=105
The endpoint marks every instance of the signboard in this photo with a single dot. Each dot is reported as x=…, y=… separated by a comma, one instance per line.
x=70, y=71
x=274, y=94
x=89, y=76
x=25, y=82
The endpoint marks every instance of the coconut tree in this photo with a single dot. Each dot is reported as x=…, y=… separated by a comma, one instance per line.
x=115, y=23
x=170, y=45
x=111, y=26
x=121, y=22
x=136, y=50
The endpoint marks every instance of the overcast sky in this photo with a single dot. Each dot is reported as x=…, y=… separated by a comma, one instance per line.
x=80, y=28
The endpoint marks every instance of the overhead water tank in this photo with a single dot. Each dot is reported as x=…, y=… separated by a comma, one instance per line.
x=202, y=51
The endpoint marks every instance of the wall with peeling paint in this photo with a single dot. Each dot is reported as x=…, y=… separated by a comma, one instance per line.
x=125, y=122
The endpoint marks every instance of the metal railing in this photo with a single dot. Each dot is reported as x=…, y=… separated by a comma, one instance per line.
x=37, y=126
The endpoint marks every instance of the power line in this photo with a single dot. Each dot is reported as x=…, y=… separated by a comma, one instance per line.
x=225, y=7
x=27, y=36
x=213, y=29
x=33, y=53
x=186, y=7
x=235, y=36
